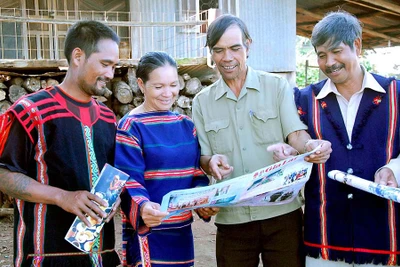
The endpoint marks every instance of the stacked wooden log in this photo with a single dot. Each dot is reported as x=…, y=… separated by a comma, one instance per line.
x=121, y=95
x=12, y=88
x=125, y=94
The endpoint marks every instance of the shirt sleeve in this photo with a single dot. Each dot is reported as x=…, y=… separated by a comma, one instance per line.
x=129, y=159
x=18, y=152
x=288, y=112
x=199, y=177
x=198, y=120
x=394, y=165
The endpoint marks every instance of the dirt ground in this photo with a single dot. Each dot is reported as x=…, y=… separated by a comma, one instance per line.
x=204, y=240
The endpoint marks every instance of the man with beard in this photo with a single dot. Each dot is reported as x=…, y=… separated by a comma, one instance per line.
x=237, y=118
x=52, y=145
x=358, y=112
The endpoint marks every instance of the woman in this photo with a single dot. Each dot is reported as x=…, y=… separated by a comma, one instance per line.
x=160, y=151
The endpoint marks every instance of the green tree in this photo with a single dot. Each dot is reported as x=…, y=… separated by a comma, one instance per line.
x=305, y=54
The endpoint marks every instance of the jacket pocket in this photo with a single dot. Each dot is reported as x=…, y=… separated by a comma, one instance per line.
x=218, y=135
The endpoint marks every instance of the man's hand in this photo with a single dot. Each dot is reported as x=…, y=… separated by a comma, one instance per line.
x=219, y=166
x=322, y=154
x=151, y=214
x=282, y=151
x=385, y=176
x=207, y=212
x=82, y=204
x=114, y=210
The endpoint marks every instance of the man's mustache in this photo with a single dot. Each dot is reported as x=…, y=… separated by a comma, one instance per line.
x=334, y=67
x=106, y=80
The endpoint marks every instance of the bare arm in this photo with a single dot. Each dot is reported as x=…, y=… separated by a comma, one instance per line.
x=80, y=203
x=15, y=184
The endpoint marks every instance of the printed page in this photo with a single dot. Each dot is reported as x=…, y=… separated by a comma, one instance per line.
x=256, y=189
x=108, y=187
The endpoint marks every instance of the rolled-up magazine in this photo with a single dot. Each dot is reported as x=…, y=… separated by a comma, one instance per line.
x=275, y=184
x=391, y=193
x=108, y=187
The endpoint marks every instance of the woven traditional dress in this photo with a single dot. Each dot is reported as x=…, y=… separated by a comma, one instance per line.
x=60, y=142
x=341, y=222
x=160, y=152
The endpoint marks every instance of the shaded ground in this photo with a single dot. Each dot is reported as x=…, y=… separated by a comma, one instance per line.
x=204, y=239
x=6, y=241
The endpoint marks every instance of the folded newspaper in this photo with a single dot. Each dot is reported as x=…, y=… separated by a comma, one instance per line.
x=276, y=184
x=388, y=192
x=108, y=187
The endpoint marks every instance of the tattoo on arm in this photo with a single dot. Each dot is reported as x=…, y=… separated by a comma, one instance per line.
x=15, y=184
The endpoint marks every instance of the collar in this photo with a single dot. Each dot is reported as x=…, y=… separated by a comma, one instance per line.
x=368, y=82
x=252, y=82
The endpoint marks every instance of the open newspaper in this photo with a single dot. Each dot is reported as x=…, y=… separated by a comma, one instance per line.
x=108, y=187
x=391, y=193
x=276, y=184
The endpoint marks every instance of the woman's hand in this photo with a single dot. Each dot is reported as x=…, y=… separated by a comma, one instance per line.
x=151, y=214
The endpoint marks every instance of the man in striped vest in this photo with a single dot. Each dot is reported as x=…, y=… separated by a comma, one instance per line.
x=358, y=112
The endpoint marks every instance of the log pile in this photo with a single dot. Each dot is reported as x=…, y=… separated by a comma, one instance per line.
x=127, y=94
x=122, y=94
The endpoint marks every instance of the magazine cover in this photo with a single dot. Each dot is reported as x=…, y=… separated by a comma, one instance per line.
x=108, y=187
x=275, y=184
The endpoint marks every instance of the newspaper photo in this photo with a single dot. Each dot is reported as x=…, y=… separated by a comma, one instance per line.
x=276, y=184
x=388, y=192
x=108, y=187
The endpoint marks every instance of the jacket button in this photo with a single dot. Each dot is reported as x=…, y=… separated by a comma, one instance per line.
x=350, y=196
x=349, y=147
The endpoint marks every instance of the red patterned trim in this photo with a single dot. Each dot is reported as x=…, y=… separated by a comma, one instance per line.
x=393, y=109
x=169, y=173
x=199, y=172
x=40, y=209
x=144, y=251
x=322, y=179
x=133, y=216
x=20, y=233
x=69, y=254
x=6, y=120
x=351, y=249
x=131, y=141
x=160, y=119
x=181, y=217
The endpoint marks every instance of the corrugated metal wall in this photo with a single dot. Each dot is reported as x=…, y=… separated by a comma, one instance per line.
x=272, y=25
x=180, y=42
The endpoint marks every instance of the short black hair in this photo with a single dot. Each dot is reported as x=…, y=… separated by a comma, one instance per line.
x=219, y=26
x=151, y=61
x=86, y=34
x=336, y=27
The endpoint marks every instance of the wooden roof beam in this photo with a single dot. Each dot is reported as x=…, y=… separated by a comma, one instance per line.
x=359, y=3
x=384, y=4
x=305, y=23
x=329, y=5
x=389, y=28
x=369, y=14
x=303, y=33
x=365, y=30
